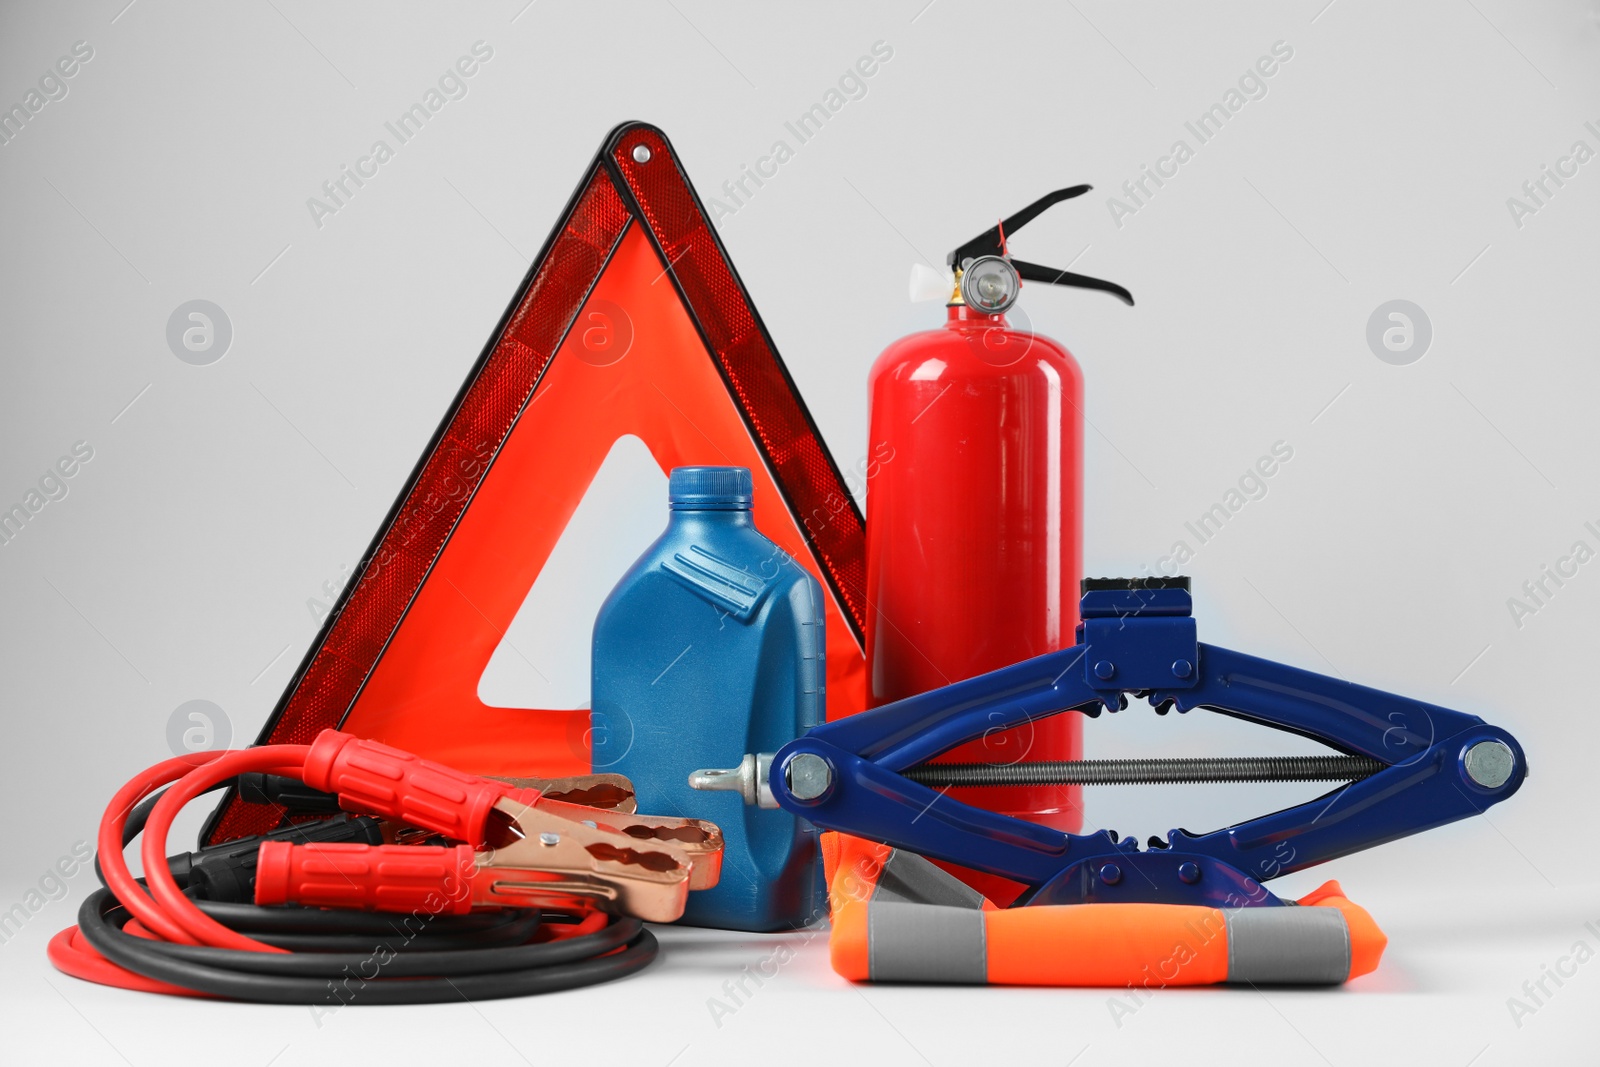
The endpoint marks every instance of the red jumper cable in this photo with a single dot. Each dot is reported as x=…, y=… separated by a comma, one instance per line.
x=529, y=894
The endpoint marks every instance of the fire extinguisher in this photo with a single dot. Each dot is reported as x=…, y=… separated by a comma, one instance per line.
x=974, y=506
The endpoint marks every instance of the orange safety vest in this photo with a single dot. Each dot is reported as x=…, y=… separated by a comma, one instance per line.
x=899, y=918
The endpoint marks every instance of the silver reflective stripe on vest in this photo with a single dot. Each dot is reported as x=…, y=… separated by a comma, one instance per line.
x=924, y=925
x=925, y=943
x=1287, y=945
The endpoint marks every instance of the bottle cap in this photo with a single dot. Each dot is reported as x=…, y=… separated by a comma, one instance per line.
x=713, y=488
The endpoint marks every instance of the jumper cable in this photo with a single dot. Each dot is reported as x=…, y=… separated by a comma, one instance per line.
x=527, y=893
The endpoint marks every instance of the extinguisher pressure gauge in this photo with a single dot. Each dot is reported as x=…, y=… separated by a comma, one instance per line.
x=989, y=284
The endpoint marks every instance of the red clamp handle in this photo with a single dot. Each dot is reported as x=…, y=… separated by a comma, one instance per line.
x=430, y=879
x=378, y=780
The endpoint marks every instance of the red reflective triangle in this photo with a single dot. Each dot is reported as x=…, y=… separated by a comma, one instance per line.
x=631, y=321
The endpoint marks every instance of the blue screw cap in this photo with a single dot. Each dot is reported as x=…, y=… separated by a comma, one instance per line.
x=710, y=488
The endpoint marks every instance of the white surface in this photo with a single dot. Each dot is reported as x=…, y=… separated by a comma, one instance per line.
x=1440, y=998
x=224, y=503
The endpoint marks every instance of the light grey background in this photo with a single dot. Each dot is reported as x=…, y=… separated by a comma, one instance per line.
x=1377, y=166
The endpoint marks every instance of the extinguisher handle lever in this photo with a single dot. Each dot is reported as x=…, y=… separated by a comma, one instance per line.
x=991, y=242
x=1032, y=272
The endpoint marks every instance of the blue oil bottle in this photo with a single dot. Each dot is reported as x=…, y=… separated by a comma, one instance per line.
x=711, y=647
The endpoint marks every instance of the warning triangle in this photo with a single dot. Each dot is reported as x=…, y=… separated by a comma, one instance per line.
x=632, y=323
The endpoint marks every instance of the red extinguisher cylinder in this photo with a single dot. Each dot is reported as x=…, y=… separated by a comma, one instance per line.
x=974, y=531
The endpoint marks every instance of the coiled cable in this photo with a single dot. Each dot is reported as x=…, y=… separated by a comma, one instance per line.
x=157, y=935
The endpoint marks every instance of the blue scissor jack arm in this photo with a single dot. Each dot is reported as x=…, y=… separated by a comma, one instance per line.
x=1138, y=639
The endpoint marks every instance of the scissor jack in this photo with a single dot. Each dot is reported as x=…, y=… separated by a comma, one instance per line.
x=1407, y=766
